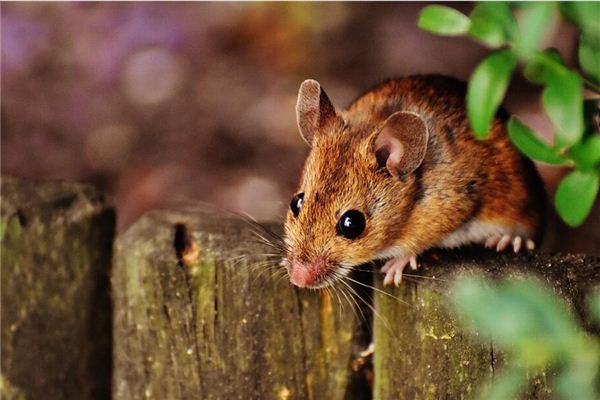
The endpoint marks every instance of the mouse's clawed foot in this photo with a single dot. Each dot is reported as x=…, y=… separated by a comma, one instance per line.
x=500, y=243
x=393, y=269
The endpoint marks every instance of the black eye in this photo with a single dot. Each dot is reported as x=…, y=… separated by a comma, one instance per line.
x=352, y=224
x=296, y=203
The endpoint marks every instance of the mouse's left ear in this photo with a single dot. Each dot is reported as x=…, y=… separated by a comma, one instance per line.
x=314, y=110
x=401, y=144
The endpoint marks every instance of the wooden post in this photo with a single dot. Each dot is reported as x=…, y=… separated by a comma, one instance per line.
x=56, y=242
x=195, y=318
x=202, y=311
x=421, y=351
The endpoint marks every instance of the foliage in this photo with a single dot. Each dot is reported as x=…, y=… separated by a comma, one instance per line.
x=536, y=331
x=516, y=31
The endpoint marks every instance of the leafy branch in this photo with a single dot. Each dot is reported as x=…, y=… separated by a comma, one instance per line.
x=537, y=332
x=515, y=31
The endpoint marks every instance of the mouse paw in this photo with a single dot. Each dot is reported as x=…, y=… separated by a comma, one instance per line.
x=393, y=269
x=500, y=243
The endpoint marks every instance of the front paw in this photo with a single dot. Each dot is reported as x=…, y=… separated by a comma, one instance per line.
x=500, y=243
x=393, y=269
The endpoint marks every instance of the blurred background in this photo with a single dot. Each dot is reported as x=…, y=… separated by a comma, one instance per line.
x=158, y=104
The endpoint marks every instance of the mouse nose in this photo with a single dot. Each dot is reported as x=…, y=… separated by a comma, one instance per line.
x=306, y=274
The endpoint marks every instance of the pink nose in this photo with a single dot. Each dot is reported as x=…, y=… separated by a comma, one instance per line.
x=307, y=274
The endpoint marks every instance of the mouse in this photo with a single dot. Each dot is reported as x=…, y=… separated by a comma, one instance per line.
x=398, y=172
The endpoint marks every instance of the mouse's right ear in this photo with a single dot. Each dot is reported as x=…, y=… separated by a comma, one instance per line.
x=313, y=110
x=401, y=144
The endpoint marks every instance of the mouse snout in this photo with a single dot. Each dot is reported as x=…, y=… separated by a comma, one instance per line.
x=307, y=274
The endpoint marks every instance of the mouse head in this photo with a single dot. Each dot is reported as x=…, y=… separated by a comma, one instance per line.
x=357, y=188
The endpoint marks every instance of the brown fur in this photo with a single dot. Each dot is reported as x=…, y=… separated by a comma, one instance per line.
x=460, y=179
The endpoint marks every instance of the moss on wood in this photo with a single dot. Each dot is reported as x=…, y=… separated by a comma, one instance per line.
x=202, y=311
x=221, y=325
x=56, y=242
x=420, y=350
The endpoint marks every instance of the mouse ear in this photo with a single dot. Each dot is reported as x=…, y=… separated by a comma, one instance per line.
x=401, y=143
x=313, y=110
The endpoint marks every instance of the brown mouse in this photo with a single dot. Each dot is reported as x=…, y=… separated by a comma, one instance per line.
x=398, y=172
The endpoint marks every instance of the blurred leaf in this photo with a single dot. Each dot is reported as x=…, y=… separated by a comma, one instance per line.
x=528, y=143
x=507, y=385
x=563, y=102
x=549, y=320
x=534, y=327
x=486, y=89
x=493, y=23
x=562, y=97
x=585, y=15
x=443, y=20
x=589, y=58
x=586, y=153
x=520, y=316
x=533, y=24
x=577, y=376
x=575, y=196
x=543, y=66
x=467, y=294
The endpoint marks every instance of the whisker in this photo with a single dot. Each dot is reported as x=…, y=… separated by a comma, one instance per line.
x=353, y=303
x=284, y=275
x=341, y=308
x=432, y=278
x=259, y=239
x=385, y=322
x=357, y=309
x=253, y=223
x=264, y=269
x=341, y=277
x=379, y=291
x=334, y=295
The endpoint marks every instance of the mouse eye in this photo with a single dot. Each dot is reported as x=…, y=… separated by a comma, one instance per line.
x=351, y=224
x=296, y=203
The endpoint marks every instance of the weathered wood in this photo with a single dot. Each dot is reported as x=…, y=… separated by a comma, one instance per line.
x=56, y=242
x=219, y=326
x=420, y=350
x=198, y=313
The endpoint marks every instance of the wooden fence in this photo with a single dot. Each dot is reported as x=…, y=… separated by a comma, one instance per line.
x=199, y=311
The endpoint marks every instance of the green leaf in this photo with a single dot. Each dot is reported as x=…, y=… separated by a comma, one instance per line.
x=586, y=153
x=486, y=89
x=589, y=58
x=543, y=66
x=443, y=21
x=493, y=23
x=563, y=102
x=585, y=15
x=577, y=378
x=528, y=143
x=507, y=385
x=533, y=23
x=534, y=328
x=575, y=196
x=562, y=97
x=522, y=317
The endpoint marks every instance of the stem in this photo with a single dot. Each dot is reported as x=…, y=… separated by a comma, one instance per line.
x=591, y=85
